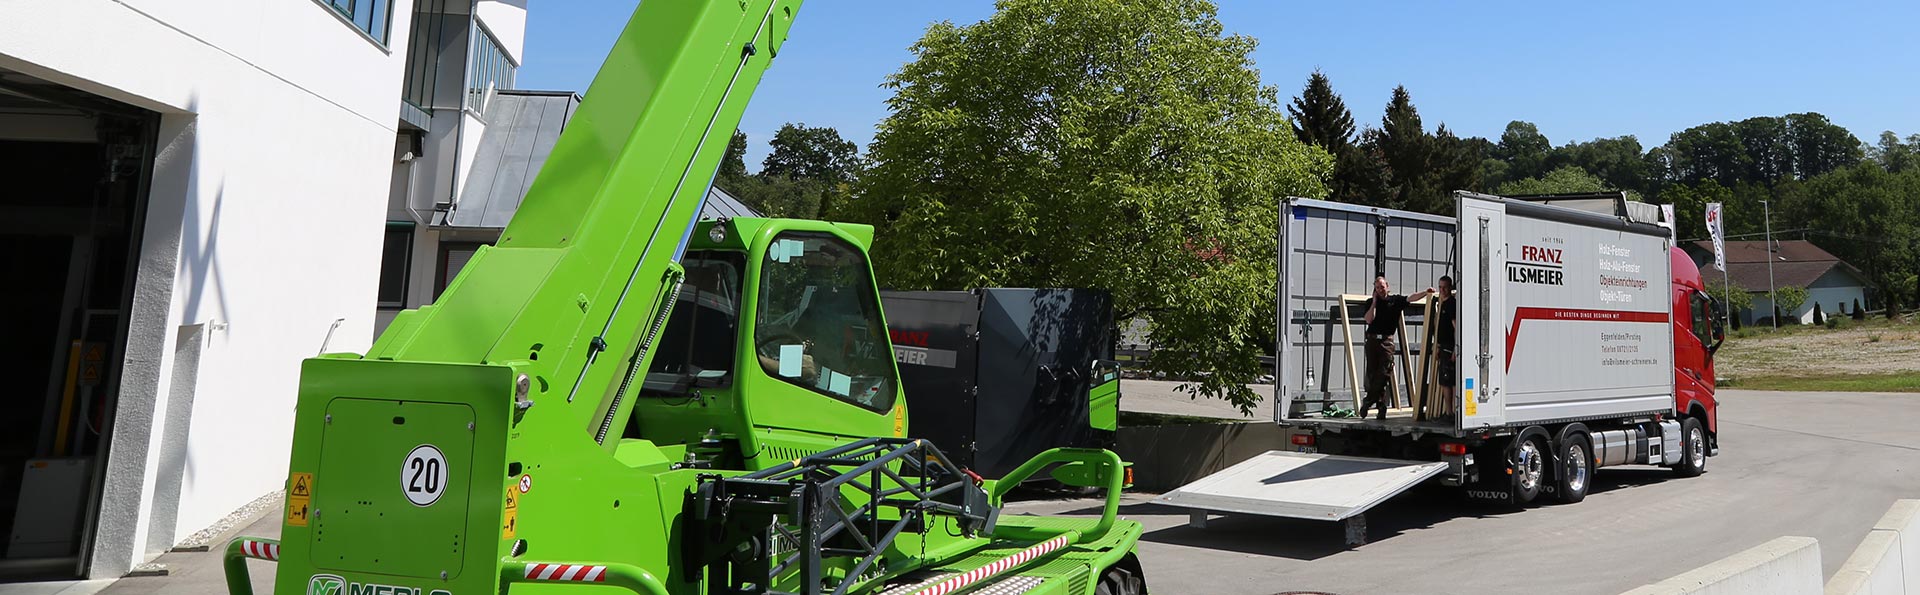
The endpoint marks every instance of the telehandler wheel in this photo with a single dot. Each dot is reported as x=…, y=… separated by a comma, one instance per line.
x=1529, y=466
x=1576, y=469
x=1693, y=448
x=1120, y=581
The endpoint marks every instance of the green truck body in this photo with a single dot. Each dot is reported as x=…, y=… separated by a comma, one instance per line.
x=613, y=397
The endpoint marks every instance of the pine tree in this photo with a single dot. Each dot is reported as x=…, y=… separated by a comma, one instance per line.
x=1403, y=146
x=1320, y=117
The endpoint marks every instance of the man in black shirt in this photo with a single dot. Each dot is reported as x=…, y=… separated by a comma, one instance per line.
x=1383, y=324
x=1446, y=328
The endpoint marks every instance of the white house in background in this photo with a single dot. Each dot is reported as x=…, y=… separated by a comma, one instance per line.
x=196, y=199
x=1831, y=283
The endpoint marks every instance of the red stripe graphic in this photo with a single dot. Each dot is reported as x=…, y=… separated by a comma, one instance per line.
x=566, y=572
x=954, y=584
x=260, y=550
x=1525, y=314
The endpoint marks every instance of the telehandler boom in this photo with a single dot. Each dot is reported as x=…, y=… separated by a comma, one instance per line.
x=620, y=397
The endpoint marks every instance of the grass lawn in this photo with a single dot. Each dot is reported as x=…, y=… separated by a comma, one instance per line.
x=1898, y=382
x=1874, y=355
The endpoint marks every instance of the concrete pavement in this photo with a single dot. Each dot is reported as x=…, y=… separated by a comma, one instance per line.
x=1824, y=465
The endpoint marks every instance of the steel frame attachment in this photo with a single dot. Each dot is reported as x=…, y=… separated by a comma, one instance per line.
x=751, y=530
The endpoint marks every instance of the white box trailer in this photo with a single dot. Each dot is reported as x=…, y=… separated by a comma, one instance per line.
x=1568, y=355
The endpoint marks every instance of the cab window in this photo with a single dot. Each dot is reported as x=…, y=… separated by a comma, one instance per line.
x=818, y=323
x=696, y=349
x=1702, y=318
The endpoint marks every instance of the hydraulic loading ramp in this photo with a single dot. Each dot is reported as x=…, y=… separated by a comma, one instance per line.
x=1301, y=485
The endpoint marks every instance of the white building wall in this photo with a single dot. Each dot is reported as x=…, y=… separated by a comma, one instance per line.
x=264, y=225
x=507, y=19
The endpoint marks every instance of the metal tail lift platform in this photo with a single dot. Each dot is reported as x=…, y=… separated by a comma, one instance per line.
x=1302, y=486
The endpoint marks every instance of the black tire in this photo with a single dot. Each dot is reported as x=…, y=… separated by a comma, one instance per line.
x=1693, y=448
x=1528, y=460
x=1119, y=581
x=1576, y=469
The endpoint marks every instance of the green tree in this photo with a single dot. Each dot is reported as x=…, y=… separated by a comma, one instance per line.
x=1565, y=180
x=1320, y=117
x=1619, y=162
x=1690, y=206
x=1894, y=155
x=733, y=165
x=1403, y=146
x=1082, y=143
x=781, y=196
x=811, y=153
x=1819, y=145
x=1734, y=297
x=1789, y=299
x=1524, y=149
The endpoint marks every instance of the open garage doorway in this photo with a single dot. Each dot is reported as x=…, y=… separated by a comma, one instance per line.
x=75, y=168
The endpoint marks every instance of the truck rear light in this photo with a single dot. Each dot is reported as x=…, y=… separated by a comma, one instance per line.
x=1453, y=448
x=1302, y=439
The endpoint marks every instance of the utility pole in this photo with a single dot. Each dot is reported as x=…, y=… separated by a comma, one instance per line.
x=1771, y=295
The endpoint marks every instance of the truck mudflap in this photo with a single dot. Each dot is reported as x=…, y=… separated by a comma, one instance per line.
x=1302, y=485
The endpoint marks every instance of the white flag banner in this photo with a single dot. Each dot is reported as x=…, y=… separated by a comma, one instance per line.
x=1717, y=230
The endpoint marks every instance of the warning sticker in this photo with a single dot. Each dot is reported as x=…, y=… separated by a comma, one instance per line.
x=300, y=485
x=297, y=510
x=506, y=532
x=513, y=498
x=900, y=420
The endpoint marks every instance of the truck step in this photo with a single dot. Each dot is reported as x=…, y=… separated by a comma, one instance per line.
x=1006, y=585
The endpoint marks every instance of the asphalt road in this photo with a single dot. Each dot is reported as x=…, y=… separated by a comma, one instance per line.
x=1822, y=465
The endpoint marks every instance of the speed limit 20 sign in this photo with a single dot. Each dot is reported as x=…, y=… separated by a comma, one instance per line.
x=423, y=475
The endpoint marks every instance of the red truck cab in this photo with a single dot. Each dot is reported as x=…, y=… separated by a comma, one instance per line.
x=1697, y=334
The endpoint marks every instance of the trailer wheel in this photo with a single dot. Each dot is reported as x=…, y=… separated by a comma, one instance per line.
x=1576, y=473
x=1693, y=448
x=1119, y=581
x=1529, y=470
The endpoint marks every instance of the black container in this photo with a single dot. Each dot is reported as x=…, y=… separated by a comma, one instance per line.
x=995, y=376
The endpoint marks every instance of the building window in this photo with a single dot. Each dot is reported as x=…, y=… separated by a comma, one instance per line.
x=369, y=16
x=396, y=258
x=489, y=69
x=423, y=53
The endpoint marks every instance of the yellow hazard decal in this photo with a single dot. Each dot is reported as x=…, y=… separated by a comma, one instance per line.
x=297, y=509
x=299, y=498
x=513, y=511
x=899, y=420
x=1469, y=402
x=300, y=485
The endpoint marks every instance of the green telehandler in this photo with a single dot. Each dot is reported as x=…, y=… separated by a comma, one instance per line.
x=620, y=397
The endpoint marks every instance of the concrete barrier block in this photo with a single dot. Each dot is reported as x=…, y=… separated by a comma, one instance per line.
x=1873, y=569
x=1784, y=566
x=1904, y=518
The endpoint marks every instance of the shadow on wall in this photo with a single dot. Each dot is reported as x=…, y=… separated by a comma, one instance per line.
x=199, y=265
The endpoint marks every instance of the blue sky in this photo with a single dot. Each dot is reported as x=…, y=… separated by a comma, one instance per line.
x=1578, y=70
